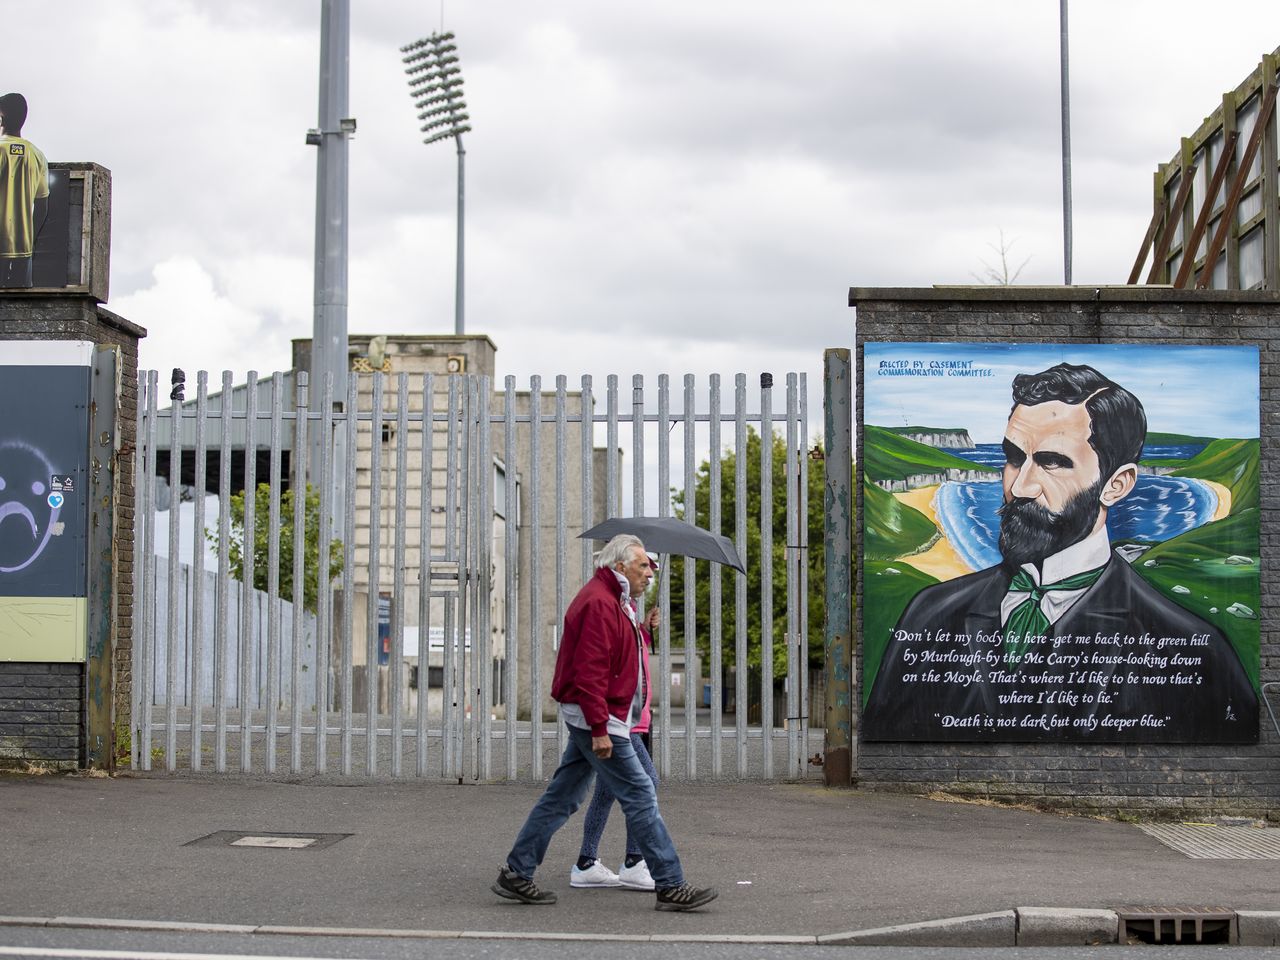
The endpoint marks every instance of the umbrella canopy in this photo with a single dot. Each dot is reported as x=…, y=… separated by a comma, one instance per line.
x=671, y=535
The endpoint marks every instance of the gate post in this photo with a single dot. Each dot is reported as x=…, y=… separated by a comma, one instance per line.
x=68, y=414
x=837, y=544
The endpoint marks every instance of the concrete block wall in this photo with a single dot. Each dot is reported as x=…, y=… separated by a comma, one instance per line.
x=1179, y=780
x=41, y=720
x=78, y=317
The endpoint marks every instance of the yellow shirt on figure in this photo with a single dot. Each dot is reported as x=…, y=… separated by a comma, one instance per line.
x=24, y=179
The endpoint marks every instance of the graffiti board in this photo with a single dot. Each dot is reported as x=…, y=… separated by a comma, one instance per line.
x=44, y=452
x=1060, y=543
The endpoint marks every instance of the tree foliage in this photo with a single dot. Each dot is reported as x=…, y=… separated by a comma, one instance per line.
x=263, y=536
x=728, y=520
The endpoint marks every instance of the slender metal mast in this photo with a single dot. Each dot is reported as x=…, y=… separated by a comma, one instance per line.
x=435, y=83
x=329, y=329
x=1066, y=149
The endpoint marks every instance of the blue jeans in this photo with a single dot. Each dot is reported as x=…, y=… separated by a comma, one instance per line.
x=626, y=779
x=597, y=815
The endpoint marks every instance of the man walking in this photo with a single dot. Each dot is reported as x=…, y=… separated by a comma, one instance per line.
x=599, y=685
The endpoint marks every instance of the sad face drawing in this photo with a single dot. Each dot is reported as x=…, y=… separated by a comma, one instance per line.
x=28, y=508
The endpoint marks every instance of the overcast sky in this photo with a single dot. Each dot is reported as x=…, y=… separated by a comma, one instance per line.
x=1199, y=391
x=666, y=187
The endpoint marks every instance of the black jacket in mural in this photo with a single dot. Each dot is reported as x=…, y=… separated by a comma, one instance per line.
x=957, y=688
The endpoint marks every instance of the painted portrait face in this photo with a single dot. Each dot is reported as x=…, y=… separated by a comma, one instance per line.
x=27, y=513
x=1052, y=482
x=1048, y=458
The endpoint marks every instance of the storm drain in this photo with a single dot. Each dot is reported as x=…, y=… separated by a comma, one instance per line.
x=1203, y=841
x=268, y=840
x=1147, y=924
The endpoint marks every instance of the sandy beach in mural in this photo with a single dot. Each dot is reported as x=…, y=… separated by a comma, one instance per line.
x=1224, y=499
x=942, y=561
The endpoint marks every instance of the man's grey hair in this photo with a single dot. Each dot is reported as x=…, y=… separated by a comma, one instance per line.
x=618, y=550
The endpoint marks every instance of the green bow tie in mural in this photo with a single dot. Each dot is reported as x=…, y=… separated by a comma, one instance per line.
x=1027, y=619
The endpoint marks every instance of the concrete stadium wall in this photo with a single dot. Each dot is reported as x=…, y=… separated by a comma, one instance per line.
x=1179, y=780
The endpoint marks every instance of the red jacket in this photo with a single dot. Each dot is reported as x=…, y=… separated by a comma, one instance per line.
x=598, y=662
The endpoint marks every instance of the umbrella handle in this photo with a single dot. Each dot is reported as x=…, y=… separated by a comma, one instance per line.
x=664, y=573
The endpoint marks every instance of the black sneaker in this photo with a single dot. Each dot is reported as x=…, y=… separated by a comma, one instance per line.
x=515, y=887
x=684, y=897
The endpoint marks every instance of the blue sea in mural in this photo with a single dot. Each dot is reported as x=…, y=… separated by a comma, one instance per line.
x=1159, y=508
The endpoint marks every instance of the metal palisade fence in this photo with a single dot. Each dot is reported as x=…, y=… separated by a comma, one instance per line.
x=394, y=609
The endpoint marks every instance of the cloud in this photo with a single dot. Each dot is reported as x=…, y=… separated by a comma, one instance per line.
x=704, y=181
x=193, y=325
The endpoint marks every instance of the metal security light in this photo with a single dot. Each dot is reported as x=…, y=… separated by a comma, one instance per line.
x=435, y=83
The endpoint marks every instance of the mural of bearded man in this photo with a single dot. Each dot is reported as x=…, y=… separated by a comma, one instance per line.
x=1072, y=446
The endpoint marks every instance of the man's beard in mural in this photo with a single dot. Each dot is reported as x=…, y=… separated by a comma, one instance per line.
x=1029, y=532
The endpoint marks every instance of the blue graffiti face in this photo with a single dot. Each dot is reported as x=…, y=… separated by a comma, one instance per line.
x=28, y=508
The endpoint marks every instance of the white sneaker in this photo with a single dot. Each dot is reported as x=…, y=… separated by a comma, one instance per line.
x=635, y=878
x=596, y=875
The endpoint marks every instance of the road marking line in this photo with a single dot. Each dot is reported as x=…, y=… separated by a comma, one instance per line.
x=73, y=954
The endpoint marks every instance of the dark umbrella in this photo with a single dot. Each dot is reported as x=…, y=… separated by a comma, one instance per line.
x=670, y=535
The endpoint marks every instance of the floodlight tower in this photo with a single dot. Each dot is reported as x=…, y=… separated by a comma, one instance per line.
x=435, y=83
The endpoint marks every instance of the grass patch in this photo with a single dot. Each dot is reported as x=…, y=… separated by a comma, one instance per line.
x=1232, y=463
x=887, y=456
x=891, y=529
x=887, y=589
x=1197, y=563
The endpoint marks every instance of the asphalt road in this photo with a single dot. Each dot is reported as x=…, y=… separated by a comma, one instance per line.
x=793, y=860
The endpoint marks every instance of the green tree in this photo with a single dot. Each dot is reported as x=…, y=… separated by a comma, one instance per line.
x=263, y=535
x=728, y=513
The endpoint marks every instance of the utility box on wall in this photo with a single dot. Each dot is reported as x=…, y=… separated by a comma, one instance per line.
x=44, y=480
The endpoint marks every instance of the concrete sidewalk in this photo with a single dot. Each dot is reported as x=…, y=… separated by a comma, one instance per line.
x=789, y=860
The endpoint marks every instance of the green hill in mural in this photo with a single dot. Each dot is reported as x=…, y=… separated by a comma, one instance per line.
x=1232, y=463
x=890, y=527
x=887, y=456
x=1157, y=439
x=893, y=584
x=1213, y=572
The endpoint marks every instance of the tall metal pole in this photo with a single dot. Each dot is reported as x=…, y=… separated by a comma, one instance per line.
x=435, y=83
x=329, y=329
x=459, y=312
x=1066, y=149
x=837, y=545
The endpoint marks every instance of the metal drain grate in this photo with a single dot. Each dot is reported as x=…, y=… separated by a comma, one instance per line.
x=1210, y=842
x=268, y=840
x=1147, y=924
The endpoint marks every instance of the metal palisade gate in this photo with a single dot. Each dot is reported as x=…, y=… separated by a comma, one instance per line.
x=394, y=609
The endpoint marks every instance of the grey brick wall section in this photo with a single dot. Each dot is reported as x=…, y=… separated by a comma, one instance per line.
x=1172, y=780
x=40, y=714
x=45, y=317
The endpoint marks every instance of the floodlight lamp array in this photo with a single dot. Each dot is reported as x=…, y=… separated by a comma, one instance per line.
x=435, y=81
x=434, y=40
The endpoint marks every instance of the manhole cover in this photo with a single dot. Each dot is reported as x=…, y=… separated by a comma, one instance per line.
x=268, y=840
x=1209, y=842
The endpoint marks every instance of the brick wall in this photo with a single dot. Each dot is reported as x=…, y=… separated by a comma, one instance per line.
x=41, y=720
x=1178, y=779
x=56, y=317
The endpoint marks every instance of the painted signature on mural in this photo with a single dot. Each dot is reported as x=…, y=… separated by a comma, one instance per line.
x=25, y=503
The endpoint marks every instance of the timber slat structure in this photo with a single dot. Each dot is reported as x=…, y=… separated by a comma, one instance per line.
x=1200, y=238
